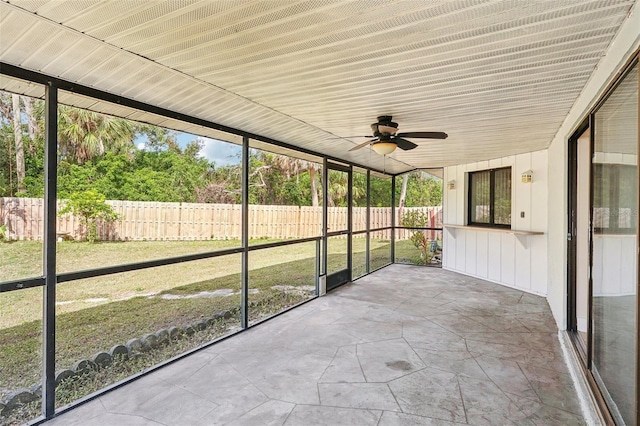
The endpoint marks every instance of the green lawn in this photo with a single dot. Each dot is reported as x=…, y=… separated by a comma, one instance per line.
x=406, y=252
x=95, y=314
x=17, y=261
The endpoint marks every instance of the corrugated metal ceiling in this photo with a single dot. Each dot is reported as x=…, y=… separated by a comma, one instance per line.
x=498, y=76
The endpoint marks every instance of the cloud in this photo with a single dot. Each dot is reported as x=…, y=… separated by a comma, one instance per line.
x=221, y=153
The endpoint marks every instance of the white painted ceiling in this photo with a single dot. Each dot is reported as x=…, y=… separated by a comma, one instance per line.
x=498, y=76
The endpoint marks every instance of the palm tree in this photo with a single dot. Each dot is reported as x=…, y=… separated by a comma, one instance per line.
x=301, y=166
x=337, y=189
x=295, y=167
x=313, y=169
x=84, y=134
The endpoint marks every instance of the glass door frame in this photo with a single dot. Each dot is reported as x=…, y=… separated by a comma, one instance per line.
x=338, y=278
x=572, y=250
x=587, y=363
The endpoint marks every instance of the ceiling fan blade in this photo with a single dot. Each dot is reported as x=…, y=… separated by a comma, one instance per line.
x=404, y=144
x=353, y=137
x=362, y=145
x=424, y=135
x=350, y=137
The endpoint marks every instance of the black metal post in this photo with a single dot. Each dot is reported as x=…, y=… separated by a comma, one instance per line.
x=325, y=213
x=318, y=249
x=50, y=210
x=393, y=219
x=638, y=259
x=349, y=222
x=492, y=197
x=244, y=304
x=592, y=139
x=368, y=242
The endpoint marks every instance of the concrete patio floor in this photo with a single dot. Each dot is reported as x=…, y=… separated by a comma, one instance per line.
x=403, y=346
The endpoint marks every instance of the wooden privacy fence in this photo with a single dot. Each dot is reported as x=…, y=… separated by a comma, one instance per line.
x=145, y=220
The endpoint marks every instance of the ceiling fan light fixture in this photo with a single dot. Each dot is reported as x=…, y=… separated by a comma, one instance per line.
x=385, y=138
x=384, y=148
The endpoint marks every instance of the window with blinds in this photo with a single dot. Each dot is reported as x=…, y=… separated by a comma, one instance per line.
x=490, y=197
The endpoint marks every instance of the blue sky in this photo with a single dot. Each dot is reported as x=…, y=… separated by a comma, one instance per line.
x=221, y=153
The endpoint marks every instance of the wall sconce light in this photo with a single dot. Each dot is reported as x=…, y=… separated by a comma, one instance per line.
x=451, y=184
x=526, y=176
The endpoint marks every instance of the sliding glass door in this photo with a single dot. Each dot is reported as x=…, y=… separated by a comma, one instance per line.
x=615, y=245
x=604, y=246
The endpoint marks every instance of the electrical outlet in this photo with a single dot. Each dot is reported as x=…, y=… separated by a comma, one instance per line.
x=522, y=215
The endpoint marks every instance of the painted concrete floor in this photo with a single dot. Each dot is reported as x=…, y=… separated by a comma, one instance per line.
x=404, y=346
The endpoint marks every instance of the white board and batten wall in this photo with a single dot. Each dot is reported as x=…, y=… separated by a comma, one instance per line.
x=541, y=265
x=513, y=260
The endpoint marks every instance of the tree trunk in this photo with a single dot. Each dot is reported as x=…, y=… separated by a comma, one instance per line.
x=403, y=196
x=17, y=133
x=314, y=187
x=32, y=124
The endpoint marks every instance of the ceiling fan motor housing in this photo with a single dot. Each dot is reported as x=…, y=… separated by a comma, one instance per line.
x=384, y=127
x=386, y=138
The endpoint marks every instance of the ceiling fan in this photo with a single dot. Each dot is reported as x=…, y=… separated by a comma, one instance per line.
x=385, y=138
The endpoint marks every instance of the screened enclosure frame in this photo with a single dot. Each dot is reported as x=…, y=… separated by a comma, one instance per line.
x=50, y=278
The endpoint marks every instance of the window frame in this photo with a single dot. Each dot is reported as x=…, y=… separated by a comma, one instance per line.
x=492, y=197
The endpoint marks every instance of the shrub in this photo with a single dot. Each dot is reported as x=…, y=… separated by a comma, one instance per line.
x=4, y=233
x=89, y=206
x=418, y=219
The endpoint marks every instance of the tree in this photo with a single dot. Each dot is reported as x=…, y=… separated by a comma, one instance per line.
x=359, y=190
x=419, y=219
x=403, y=196
x=282, y=180
x=32, y=122
x=89, y=206
x=296, y=167
x=99, y=152
x=6, y=161
x=337, y=189
x=380, y=191
x=84, y=134
x=313, y=169
x=17, y=132
x=224, y=186
x=158, y=138
x=422, y=190
x=21, y=173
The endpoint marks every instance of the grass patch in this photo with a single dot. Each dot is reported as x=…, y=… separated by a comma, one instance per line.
x=77, y=387
x=23, y=259
x=80, y=334
x=95, y=314
x=18, y=307
x=406, y=252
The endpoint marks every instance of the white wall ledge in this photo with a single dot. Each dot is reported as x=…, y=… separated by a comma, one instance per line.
x=492, y=229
